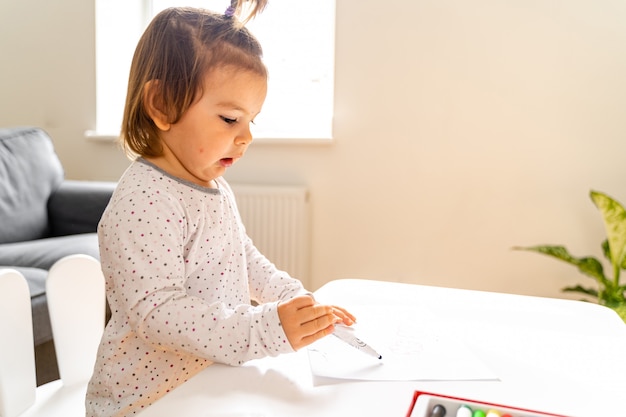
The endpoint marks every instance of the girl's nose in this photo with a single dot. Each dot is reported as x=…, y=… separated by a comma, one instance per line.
x=244, y=137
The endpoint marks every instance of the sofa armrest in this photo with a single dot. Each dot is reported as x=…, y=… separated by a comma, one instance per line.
x=76, y=206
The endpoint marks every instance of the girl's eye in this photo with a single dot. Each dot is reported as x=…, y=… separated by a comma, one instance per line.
x=228, y=120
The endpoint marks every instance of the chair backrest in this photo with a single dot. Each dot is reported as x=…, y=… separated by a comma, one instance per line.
x=17, y=354
x=76, y=300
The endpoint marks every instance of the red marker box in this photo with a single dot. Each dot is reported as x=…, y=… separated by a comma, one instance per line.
x=427, y=404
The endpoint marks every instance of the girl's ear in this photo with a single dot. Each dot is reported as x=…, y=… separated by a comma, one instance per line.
x=154, y=105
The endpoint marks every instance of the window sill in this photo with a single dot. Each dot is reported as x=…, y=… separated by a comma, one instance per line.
x=94, y=136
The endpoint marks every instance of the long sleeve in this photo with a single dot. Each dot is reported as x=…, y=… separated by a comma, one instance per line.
x=267, y=283
x=182, y=294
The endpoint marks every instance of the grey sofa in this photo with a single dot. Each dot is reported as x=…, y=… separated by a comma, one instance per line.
x=43, y=217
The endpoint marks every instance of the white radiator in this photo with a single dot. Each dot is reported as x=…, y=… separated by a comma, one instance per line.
x=277, y=220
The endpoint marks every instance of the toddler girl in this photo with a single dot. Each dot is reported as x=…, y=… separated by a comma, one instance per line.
x=181, y=273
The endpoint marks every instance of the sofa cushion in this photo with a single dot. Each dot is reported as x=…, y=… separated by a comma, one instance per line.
x=30, y=171
x=43, y=253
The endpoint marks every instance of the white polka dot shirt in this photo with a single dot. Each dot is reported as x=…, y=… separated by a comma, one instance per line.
x=180, y=275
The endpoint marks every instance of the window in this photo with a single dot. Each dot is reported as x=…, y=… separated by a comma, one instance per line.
x=298, y=44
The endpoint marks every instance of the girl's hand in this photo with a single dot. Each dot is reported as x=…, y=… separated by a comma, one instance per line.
x=304, y=321
x=346, y=317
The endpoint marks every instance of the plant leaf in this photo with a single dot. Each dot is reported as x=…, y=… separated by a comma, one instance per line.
x=611, y=295
x=589, y=291
x=606, y=251
x=614, y=216
x=588, y=265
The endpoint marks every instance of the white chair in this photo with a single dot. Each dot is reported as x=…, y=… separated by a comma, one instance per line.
x=76, y=300
x=17, y=354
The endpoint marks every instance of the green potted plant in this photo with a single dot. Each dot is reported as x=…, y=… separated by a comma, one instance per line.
x=609, y=291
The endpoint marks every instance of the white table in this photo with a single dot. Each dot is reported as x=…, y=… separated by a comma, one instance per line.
x=552, y=355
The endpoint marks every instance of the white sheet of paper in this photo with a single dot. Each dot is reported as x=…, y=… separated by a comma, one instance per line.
x=412, y=346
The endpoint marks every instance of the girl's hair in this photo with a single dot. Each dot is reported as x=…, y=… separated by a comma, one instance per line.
x=176, y=51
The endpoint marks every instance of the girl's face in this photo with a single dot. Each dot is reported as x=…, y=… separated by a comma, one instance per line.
x=215, y=131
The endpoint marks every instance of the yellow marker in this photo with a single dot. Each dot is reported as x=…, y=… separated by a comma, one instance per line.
x=493, y=413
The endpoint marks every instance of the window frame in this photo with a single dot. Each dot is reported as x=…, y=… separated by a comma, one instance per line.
x=140, y=12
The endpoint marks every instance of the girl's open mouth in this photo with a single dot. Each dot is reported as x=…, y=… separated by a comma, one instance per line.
x=226, y=162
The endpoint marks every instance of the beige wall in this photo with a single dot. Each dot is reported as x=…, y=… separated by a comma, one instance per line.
x=462, y=128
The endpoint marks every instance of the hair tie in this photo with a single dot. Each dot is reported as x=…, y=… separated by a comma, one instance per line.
x=230, y=11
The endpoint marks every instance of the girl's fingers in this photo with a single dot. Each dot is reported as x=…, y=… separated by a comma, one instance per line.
x=315, y=312
x=301, y=318
x=347, y=317
x=307, y=340
x=319, y=323
x=304, y=321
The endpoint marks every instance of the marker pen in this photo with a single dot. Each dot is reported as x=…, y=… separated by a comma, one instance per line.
x=346, y=334
x=438, y=411
x=464, y=411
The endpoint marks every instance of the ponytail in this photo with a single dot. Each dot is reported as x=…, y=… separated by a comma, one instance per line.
x=251, y=8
